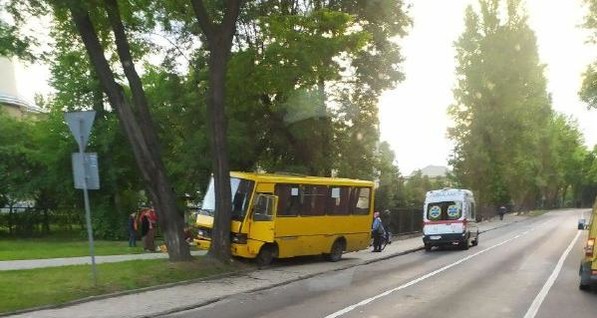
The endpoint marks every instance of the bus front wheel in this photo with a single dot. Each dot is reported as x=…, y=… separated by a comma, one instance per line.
x=266, y=255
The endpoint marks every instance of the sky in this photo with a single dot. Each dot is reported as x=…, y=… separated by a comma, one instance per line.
x=413, y=118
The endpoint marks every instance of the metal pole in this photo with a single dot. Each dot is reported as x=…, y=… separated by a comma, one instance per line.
x=87, y=208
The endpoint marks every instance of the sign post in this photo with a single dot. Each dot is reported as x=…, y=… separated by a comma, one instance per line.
x=85, y=169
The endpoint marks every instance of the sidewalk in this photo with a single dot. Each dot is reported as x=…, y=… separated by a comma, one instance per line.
x=154, y=302
x=83, y=260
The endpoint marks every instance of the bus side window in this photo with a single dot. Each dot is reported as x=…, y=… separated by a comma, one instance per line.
x=338, y=201
x=314, y=199
x=361, y=199
x=288, y=199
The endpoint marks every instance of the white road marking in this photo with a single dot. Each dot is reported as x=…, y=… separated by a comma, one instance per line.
x=550, y=281
x=413, y=282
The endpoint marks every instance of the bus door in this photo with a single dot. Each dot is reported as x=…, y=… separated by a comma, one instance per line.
x=262, y=221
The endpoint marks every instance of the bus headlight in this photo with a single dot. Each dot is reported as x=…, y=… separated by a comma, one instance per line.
x=239, y=238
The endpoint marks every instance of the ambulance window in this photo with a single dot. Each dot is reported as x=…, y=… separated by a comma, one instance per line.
x=446, y=210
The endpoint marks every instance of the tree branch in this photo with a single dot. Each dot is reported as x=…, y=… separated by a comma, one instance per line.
x=205, y=22
x=126, y=60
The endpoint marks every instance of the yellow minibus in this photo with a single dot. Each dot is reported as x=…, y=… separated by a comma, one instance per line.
x=280, y=216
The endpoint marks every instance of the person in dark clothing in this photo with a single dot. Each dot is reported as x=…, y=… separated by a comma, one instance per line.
x=501, y=212
x=132, y=228
x=377, y=231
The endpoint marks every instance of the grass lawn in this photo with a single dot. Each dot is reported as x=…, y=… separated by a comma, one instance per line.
x=17, y=249
x=36, y=287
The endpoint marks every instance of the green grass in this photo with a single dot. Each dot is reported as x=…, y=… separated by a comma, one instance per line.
x=18, y=249
x=22, y=289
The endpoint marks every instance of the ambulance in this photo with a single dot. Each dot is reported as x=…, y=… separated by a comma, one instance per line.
x=449, y=219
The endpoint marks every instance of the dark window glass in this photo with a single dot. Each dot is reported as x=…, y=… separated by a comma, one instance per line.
x=446, y=210
x=313, y=199
x=338, y=201
x=289, y=202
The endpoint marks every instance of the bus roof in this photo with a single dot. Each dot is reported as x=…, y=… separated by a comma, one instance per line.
x=298, y=179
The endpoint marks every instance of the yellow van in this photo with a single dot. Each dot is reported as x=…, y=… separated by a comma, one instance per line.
x=279, y=216
x=588, y=265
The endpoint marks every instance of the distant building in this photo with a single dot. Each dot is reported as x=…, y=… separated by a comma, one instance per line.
x=10, y=101
x=434, y=172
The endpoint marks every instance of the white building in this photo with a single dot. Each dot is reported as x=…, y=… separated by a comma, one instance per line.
x=10, y=100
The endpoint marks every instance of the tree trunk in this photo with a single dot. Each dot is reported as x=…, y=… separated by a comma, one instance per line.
x=219, y=42
x=139, y=132
x=10, y=218
x=220, y=247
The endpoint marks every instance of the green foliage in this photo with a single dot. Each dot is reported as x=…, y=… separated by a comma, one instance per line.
x=303, y=82
x=511, y=147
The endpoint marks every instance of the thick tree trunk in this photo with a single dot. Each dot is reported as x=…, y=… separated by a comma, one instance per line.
x=220, y=248
x=219, y=42
x=143, y=143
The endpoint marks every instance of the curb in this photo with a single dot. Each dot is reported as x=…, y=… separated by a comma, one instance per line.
x=217, y=276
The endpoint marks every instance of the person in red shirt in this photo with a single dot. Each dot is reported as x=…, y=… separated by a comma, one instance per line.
x=148, y=228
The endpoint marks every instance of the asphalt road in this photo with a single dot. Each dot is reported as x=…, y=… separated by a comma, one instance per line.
x=528, y=269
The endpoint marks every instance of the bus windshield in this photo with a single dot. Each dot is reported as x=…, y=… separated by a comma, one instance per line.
x=240, y=191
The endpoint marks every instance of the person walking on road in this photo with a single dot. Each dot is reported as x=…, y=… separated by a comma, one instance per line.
x=501, y=212
x=132, y=228
x=377, y=231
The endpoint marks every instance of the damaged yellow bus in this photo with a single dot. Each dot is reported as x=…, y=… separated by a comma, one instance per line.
x=280, y=216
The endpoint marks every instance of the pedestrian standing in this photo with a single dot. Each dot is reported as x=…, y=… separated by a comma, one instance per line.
x=132, y=228
x=377, y=231
x=148, y=229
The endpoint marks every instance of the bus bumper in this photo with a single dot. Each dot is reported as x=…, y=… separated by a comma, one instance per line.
x=202, y=244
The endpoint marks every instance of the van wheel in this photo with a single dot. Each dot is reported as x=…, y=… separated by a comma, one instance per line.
x=584, y=287
x=265, y=256
x=336, y=251
x=428, y=247
x=476, y=241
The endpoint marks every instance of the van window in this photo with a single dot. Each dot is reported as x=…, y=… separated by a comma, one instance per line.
x=446, y=210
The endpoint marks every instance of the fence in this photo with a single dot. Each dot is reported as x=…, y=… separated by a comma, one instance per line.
x=403, y=220
x=25, y=221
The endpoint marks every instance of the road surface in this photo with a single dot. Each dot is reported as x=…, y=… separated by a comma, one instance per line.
x=528, y=269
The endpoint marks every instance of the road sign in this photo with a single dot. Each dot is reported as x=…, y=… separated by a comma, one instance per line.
x=84, y=169
x=86, y=166
x=80, y=125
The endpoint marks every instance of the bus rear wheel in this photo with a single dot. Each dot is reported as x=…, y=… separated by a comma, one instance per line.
x=336, y=251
